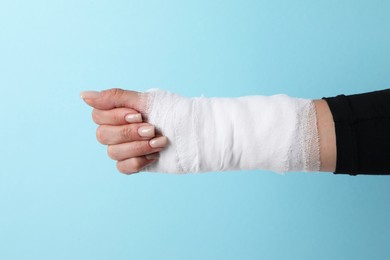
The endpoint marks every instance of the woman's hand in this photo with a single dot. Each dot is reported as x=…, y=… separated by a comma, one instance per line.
x=131, y=142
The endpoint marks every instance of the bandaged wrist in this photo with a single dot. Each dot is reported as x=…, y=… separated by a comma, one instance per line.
x=277, y=133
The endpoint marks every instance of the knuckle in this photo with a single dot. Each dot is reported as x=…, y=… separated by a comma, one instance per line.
x=111, y=151
x=121, y=167
x=95, y=116
x=137, y=164
x=124, y=169
x=128, y=132
x=117, y=117
x=142, y=147
x=100, y=135
x=114, y=92
x=134, y=165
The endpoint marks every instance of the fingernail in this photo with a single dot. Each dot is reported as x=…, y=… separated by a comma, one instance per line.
x=146, y=131
x=158, y=142
x=89, y=94
x=152, y=156
x=133, y=118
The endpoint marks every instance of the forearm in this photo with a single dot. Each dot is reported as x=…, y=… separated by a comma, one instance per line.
x=327, y=136
x=277, y=133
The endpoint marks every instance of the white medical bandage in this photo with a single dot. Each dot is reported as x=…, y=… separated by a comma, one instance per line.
x=277, y=133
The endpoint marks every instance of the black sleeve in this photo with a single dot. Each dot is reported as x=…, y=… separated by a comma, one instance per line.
x=362, y=125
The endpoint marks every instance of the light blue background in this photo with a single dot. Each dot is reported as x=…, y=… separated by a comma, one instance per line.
x=61, y=197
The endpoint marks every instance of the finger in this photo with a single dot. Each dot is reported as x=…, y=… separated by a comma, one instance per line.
x=114, y=98
x=109, y=134
x=120, y=152
x=133, y=165
x=116, y=116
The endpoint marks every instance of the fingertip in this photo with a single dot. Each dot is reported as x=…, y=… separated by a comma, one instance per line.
x=89, y=97
x=89, y=102
x=89, y=94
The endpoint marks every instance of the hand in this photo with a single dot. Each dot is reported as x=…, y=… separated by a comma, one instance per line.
x=131, y=142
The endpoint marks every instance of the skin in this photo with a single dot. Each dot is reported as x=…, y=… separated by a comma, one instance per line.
x=131, y=150
x=124, y=143
x=327, y=136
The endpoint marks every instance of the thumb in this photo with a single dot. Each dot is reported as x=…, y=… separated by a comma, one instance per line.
x=113, y=98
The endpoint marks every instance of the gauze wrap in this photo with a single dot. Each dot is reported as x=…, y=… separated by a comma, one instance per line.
x=277, y=133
